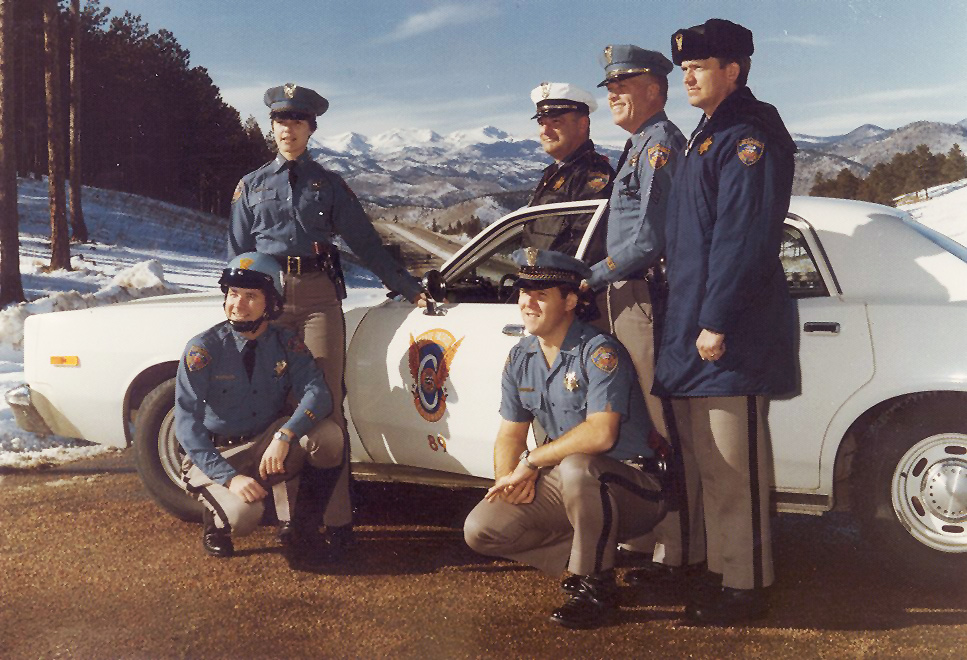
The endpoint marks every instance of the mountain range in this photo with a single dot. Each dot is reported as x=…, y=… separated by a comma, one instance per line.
x=408, y=173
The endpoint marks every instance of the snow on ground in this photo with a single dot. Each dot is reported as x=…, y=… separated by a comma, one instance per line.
x=140, y=247
x=946, y=212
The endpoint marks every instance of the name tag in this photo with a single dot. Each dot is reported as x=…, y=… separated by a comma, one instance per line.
x=525, y=389
x=224, y=376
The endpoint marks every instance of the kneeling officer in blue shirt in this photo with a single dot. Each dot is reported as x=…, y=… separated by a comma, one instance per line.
x=594, y=483
x=231, y=410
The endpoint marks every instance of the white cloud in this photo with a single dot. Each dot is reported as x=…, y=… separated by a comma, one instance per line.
x=945, y=92
x=439, y=17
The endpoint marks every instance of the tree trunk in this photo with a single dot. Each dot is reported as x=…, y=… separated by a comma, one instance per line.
x=60, y=256
x=78, y=228
x=11, y=286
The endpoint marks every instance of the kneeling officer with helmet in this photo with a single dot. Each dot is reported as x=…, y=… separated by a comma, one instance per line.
x=232, y=394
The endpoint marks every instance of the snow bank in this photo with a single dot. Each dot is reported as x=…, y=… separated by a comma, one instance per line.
x=139, y=281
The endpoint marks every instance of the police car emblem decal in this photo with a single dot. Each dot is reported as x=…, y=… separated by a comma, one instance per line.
x=605, y=358
x=705, y=146
x=750, y=151
x=570, y=381
x=658, y=156
x=431, y=355
x=197, y=358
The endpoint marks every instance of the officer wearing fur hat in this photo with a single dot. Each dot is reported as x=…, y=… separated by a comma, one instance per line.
x=594, y=482
x=579, y=172
x=729, y=341
x=629, y=284
x=292, y=209
x=230, y=409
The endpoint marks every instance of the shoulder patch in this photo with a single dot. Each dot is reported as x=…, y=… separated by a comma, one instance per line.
x=750, y=151
x=658, y=156
x=605, y=358
x=239, y=189
x=197, y=358
x=598, y=180
x=296, y=345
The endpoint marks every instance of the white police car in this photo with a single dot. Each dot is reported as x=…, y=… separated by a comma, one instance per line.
x=878, y=426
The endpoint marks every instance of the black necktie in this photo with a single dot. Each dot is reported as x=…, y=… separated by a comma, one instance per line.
x=248, y=357
x=624, y=156
x=293, y=177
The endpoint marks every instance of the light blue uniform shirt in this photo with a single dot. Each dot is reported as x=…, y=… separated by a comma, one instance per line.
x=213, y=394
x=592, y=373
x=272, y=217
x=639, y=201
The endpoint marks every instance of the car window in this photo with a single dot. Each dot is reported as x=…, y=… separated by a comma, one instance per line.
x=489, y=275
x=802, y=275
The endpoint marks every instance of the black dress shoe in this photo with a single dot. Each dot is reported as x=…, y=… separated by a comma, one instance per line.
x=728, y=606
x=286, y=534
x=216, y=542
x=340, y=541
x=591, y=604
x=655, y=573
x=571, y=584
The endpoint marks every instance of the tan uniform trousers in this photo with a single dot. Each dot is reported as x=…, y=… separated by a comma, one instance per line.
x=240, y=517
x=626, y=313
x=731, y=444
x=313, y=309
x=581, y=510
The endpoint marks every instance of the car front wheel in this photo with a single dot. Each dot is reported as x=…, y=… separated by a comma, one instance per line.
x=158, y=456
x=914, y=495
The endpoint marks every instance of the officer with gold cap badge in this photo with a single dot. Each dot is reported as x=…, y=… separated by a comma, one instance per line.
x=594, y=482
x=628, y=281
x=730, y=333
x=578, y=172
x=292, y=209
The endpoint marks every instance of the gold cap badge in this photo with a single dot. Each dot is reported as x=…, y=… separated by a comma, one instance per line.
x=607, y=55
x=246, y=263
x=679, y=38
x=545, y=90
x=531, y=254
x=289, y=89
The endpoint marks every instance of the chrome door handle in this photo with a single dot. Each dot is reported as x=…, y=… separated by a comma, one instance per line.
x=821, y=326
x=513, y=330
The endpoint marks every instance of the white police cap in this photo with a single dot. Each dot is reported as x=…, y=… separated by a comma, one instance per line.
x=556, y=98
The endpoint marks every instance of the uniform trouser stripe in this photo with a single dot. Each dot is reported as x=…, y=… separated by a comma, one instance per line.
x=753, y=426
x=216, y=508
x=607, y=479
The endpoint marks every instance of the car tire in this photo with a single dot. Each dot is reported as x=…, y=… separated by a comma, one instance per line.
x=912, y=497
x=158, y=456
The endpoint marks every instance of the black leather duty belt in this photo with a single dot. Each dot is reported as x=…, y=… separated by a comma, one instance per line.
x=300, y=265
x=230, y=440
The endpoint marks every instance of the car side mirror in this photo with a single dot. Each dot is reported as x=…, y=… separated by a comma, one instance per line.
x=436, y=287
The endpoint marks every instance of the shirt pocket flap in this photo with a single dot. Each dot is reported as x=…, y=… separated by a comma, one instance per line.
x=262, y=195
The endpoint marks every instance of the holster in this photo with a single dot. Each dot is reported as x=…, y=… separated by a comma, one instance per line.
x=330, y=262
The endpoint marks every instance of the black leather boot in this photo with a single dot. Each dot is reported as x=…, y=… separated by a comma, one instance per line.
x=727, y=607
x=216, y=542
x=340, y=541
x=590, y=604
x=654, y=573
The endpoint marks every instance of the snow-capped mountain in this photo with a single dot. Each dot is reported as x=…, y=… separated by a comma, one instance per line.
x=421, y=168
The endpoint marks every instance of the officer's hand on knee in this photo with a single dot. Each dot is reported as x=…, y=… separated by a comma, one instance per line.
x=273, y=460
x=247, y=488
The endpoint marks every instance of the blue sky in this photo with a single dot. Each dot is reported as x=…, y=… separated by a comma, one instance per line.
x=828, y=65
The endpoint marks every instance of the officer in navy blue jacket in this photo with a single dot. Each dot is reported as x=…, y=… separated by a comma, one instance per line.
x=293, y=209
x=729, y=336
x=231, y=412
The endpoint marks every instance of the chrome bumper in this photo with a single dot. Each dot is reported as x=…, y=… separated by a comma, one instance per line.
x=24, y=411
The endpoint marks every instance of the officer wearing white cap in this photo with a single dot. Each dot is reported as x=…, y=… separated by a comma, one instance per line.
x=578, y=172
x=292, y=209
x=628, y=280
x=231, y=392
x=594, y=482
x=730, y=333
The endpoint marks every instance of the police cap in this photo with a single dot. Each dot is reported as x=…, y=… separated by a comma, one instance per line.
x=716, y=37
x=292, y=98
x=554, y=98
x=540, y=269
x=626, y=60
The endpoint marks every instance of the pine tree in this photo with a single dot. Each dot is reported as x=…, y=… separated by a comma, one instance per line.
x=11, y=284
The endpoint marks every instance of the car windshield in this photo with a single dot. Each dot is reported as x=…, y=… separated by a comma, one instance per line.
x=941, y=240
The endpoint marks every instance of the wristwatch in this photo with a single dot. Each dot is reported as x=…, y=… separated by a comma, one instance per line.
x=523, y=458
x=279, y=435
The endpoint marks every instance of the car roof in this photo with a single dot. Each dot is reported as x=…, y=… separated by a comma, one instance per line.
x=879, y=253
